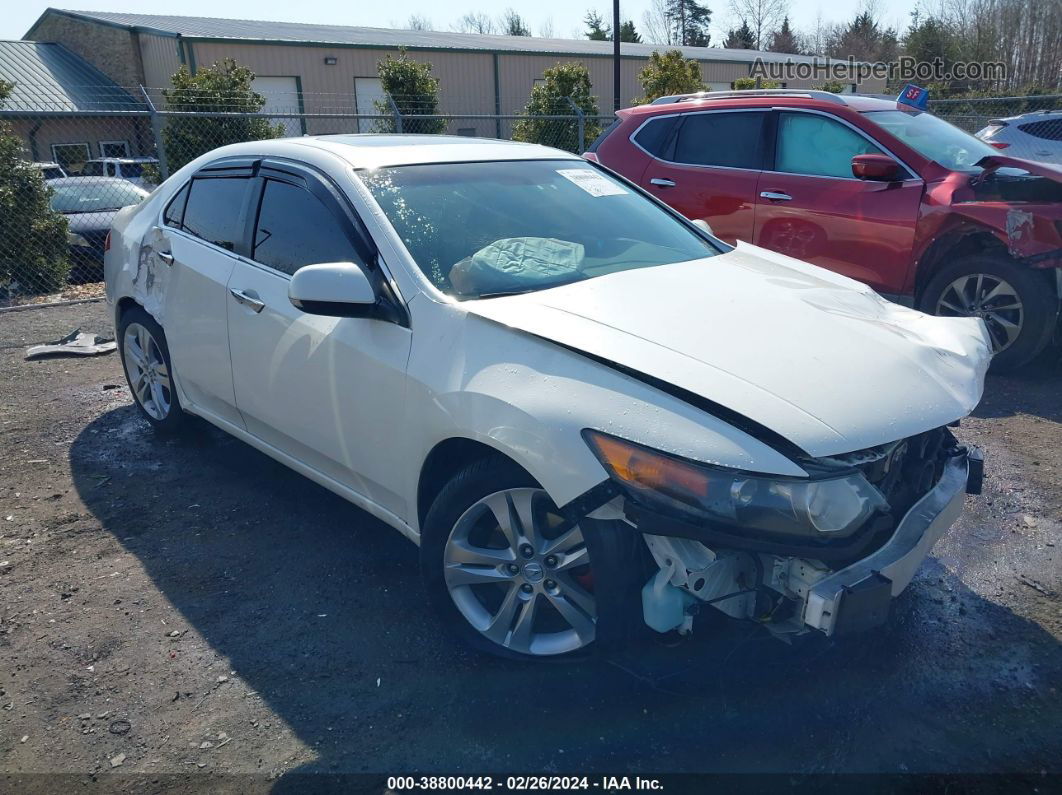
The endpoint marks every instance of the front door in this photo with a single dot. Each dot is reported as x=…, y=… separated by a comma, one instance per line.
x=711, y=170
x=811, y=207
x=328, y=391
x=195, y=254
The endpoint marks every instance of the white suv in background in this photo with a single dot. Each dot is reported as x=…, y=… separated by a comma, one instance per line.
x=131, y=169
x=1031, y=136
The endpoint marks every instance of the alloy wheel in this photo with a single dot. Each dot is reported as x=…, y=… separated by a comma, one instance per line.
x=149, y=375
x=521, y=575
x=990, y=298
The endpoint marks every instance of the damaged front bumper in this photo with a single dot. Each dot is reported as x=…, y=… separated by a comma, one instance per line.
x=857, y=597
x=794, y=593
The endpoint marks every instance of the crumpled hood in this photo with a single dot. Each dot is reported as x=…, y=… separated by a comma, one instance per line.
x=992, y=162
x=816, y=357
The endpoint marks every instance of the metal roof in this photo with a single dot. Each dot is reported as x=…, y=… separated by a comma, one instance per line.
x=50, y=78
x=344, y=35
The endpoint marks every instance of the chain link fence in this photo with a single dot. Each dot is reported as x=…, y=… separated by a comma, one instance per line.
x=66, y=171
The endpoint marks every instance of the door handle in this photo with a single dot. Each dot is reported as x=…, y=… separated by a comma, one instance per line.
x=248, y=300
x=165, y=256
x=661, y=182
x=775, y=196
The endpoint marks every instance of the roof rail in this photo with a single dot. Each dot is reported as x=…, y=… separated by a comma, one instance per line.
x=826, y=96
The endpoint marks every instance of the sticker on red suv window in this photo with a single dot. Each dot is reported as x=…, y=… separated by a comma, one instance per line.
x=593, y=183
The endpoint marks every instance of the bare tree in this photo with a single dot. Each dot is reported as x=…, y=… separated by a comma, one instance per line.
x=418, y=22
x=545, y=29
x=512, y=24
x=657, y=25
x=475, y=22
x=764, y=17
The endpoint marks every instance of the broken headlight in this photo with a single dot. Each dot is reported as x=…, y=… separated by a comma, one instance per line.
x=821, y=507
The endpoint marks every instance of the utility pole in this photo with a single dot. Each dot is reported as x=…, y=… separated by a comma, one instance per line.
x=615, y=55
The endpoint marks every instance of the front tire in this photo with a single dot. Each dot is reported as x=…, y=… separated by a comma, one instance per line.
x=512, y=579
x=149, y=371
x=1018, y=304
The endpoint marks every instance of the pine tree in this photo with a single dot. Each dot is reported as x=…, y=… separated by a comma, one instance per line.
x=689, y=22
x=597, y=30
x=784, y=39
x=740, y=38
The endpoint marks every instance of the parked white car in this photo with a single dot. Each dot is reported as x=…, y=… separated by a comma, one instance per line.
x=131, y=169
x=584, y=408
x=1031, y=136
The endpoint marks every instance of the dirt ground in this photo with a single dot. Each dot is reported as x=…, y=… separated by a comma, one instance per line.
x=191, y=607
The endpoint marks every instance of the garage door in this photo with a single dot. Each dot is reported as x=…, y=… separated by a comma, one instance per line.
x=282, y=96
x=367, y=92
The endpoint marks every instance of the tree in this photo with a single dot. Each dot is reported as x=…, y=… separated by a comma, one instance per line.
x=740, y=38
x=512, y=24
x=656, y=23
x=689, y=22
x=749, y=84
x=474, y=22
x=628, y=33
x=551, y=98
x=418, y=22
x=596, y=29
x=33, y=243
x=833, y=86
x=415, y=92
x=669, y=73
x=762, y=16
x=223, y=87
x=545, y=28
x=864, y=40
x=784, y=39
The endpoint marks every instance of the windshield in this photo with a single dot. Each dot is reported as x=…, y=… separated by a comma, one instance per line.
x=483, y=229
x=92, y=197
x=934, y=138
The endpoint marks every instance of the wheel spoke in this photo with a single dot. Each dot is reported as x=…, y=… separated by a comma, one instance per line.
x=499, y=507
x=158, y=400
x=523, y=630
x=162, y=370
x=461, y=551
x=576, y=618
x=1009, y=329
x=1001, y=290
x=576, y=593
x=952, y=307
x=502, y=622
x=458, y=574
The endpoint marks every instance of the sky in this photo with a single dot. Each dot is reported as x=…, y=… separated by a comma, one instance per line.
x=564, y=15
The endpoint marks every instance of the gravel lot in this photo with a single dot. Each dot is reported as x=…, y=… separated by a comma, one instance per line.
x=192, y=607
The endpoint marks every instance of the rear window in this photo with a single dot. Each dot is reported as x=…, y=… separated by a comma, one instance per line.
x=655, y=135
x=1049, y=129
x=604, y=134
x=213, y=210
x=730, y=140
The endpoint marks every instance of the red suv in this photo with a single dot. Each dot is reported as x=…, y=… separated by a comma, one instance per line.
x=871, y=188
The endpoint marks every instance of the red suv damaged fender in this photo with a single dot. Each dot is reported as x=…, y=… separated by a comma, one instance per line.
x=867, y=187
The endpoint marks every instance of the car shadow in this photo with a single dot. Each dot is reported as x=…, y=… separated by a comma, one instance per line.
x=319, y=608
x=1034, y=389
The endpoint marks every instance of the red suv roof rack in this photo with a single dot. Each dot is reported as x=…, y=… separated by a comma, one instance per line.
x=761, y=92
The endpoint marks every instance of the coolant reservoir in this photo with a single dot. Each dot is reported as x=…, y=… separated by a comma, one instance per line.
x=664, y=605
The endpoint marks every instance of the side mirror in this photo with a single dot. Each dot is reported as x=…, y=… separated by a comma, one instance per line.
x=879, y=168
x=703, y=225
x=335, y=289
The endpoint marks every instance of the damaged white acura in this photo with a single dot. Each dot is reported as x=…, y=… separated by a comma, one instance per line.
x=591, y=415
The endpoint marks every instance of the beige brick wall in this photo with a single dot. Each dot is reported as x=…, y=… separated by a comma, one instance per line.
x=111, y=50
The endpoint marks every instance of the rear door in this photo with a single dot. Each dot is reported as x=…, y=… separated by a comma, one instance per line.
x=202, y=230
x=708, y=168
x=327, y=391
x=811, y=207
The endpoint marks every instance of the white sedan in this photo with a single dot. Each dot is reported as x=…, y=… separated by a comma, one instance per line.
x=591, y=415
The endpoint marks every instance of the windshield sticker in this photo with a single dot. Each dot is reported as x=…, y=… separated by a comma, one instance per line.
x=593, y=183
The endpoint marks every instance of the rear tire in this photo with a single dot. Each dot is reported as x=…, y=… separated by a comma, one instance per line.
x=1018, y=304
x=149, y=371
x=527, y=592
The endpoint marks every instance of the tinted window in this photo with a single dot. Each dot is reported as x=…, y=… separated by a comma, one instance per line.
x=213, y=210
x=295, y=229
x=93, y=195
x=93, y=168
x=815, y=145
x=721, y=139
x=175, y=209
x=655, y=135
x=132, y=170
x=1051, y=129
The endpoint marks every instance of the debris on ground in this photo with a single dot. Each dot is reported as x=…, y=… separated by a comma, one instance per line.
x=76, y=343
